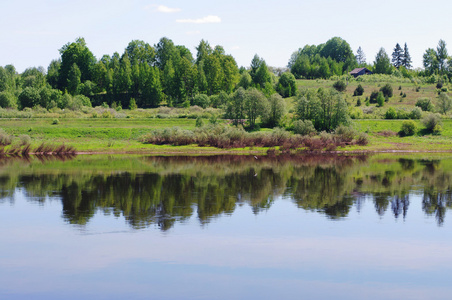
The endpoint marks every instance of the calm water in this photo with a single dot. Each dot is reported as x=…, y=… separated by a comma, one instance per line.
x=306, y=227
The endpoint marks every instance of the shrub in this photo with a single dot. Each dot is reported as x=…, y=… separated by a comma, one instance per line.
x=201, y=100
x=303, y=127
x=132, y=104
x=415, y=113
x=437, y=129
x=425, y=104
x=199, y=122
x=387, y=90
x=55, y=122
x=356, y=113
x=380, y=99
x=345, y=133
x=107, y=114
x=362, y=139
x=24, y=139
x=5, y=139
x=408, y=128
x=391, y=114
x=439, y=85
x=358, y=103
x=359, y=91
x=431, y=120
x=373, y=97
x=340, y=86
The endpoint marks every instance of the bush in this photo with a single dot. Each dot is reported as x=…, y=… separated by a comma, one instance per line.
x=24, y=139
x=55, y=122
x=303, y=127
x=415, y=113
x=358, y=103
x=439, y=85
x=408, y=128
x=425, y=104
x=359, y=91
x=373, y=97
x=380, y=99
x=345, y=133
x=201, y=100
x=340, y=86
x=387, y=90
x=391, y=114
x=132, y=104
x=199, y=122
x=430, y=121
x=5, y=139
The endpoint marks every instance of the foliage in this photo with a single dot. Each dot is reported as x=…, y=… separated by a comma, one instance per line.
x=382, y=64
x=340, y=86
x=409, y=128
x=276, y=110
x=431, y=121
x=391, y=113
x=201, y=100
x=359, y=91
x=303, y=127
x=387, y=90
x=326, y=108
x=380, y=99
x=425, y=104
x=444, y=103
x=286, y=85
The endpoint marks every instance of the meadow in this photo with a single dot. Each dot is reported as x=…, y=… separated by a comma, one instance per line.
x=107, y=130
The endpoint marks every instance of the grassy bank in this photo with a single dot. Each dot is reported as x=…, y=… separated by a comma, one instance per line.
x=123, y=135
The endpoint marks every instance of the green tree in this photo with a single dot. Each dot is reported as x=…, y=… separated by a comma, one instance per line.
x=406, y=59
x=255, y=105
x=236, y=106
x=442, y=56
x=29, y=97
x=444, y=103
x=382, y=64
x=74, y=79
x=276, y=110
x=140, y=52
x=79, y=54
x=360, y=57
x=287, y=86
x=397, y=56
x=245, y=80
x=53, y=72
x=430, y=60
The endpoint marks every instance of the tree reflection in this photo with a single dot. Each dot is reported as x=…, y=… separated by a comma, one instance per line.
x=168, y=190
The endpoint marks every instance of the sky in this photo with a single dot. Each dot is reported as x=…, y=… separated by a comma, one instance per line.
x=33, y=31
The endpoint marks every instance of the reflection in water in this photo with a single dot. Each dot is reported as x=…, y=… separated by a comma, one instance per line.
x=165, y=190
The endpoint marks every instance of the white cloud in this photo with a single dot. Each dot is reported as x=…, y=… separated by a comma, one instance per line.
x=163, y=8
x=166, y=9
x=208, y=19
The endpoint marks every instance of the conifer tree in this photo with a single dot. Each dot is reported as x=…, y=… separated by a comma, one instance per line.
x=406, y=60
x=360, y=56
x=397, y=56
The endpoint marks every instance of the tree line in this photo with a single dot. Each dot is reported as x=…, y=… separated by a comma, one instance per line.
x=168, y=74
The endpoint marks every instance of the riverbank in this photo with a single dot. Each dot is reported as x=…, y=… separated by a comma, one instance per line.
x=108, y=136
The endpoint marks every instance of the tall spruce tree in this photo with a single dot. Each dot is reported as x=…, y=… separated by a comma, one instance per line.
x=360, y=56
x=406, y=60
x=397, y=56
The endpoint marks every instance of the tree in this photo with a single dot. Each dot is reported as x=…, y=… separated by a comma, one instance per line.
x=277, y=108
x=441, y=55
x=140, y=52
x=245, y=80
x=255, y=64
x=287, y=86
x=360, y=57
x=262, y=76
x=430, y=60
x=382, y=64
x=255, y=105
x=203, y=50
x=79, y=54
x=236, y=106
x=165, y=51
x=53, y=72
x=29, y=97
x=397, y=56
x=444, y=103
x=73, y=81
x=406, y=59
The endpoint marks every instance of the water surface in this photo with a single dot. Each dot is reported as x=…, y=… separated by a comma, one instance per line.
x=226, y=227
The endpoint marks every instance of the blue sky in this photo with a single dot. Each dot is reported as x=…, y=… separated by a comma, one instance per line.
x=33, y=31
